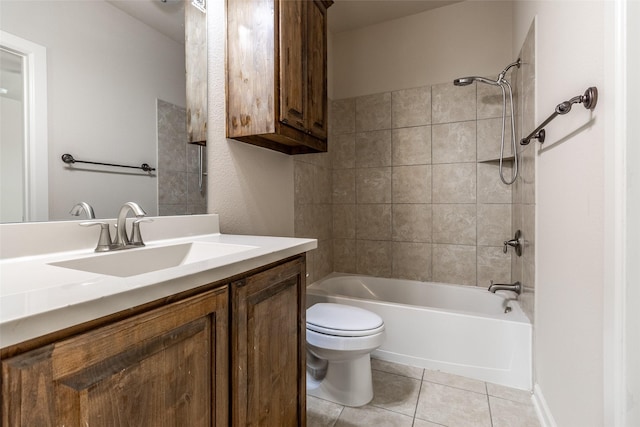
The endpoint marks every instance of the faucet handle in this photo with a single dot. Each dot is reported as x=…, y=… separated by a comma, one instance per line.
x=515, y=243
x=136, y=239
x=104, y=241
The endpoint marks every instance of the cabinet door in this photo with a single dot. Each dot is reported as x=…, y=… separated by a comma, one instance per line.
x=292, y=85
x=268, y=348
x=317, y=68
x=167, y=367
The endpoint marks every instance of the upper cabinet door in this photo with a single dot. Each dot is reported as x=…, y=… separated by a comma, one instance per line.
x=317, y=69
x=293, y=86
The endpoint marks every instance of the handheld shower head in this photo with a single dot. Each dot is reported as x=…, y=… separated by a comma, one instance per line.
x=465, y=81
x=505, y=87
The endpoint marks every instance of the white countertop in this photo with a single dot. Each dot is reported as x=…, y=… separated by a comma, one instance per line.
x=37, y=298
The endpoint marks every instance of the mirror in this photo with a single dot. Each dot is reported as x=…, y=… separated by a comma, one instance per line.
x=115, y=93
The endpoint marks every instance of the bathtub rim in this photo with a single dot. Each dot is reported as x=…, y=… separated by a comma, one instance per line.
x=517, y=311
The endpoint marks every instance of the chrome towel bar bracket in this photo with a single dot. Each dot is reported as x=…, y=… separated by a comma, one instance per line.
x=589, y=99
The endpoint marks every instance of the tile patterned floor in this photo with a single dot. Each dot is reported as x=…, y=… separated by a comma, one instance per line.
x=405, y=396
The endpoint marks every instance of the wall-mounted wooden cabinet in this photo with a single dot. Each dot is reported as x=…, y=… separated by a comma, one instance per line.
x=277, y=74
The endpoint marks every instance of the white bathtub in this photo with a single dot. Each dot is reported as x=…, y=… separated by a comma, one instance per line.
x=462, y=330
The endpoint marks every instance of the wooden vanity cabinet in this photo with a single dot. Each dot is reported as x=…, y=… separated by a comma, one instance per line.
x=226, y=354
x=166, y=367
x=268, y=380
x=277, y=74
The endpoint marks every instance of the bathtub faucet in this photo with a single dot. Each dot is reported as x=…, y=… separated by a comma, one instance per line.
x=515, y=287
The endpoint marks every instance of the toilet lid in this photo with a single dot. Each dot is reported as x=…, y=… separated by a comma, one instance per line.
x=343, y=320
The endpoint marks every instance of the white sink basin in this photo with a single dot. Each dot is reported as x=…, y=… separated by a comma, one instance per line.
x=131, y=262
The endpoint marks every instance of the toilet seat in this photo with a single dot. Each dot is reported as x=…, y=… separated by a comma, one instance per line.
x=343, y=320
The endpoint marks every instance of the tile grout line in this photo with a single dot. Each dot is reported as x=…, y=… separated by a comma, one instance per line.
x=418, y=398
x=489, y=404
x=415, y=409
x=431, y=244
x=477, y=202
x=338, y=418
x=415, y=412
x=392, y=166
x=396, y=374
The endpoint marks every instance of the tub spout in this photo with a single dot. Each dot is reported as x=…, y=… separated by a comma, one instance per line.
x=515, y=287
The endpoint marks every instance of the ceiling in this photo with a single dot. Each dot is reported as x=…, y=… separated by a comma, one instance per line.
x=347, y=15
x=167, y=16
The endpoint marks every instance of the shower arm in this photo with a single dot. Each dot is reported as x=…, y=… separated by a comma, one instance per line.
x=501, y=76
x=589, y=100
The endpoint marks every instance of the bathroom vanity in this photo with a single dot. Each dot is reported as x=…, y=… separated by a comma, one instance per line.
x=212, y=341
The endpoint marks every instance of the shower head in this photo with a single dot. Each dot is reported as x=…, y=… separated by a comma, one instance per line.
x=465, y=81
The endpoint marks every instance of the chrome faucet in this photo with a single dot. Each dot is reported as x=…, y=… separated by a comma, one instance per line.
x=122, y=239
x=515, y=287
x=83, y=206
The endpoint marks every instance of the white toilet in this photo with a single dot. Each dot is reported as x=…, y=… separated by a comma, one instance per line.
x=340, y=339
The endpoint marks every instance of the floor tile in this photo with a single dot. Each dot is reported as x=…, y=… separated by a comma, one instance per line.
x=406, y=396
x=322, y=413
x=454, y=381
x=371, y=417
x=509, y=393
x=396, y=368
x=452, y=406
x=507, y=413
x=395, y=392
x=422, y=423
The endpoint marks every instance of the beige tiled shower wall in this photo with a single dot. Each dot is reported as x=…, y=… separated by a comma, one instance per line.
x=415, y=186
x=178, y=189
x=523, y=207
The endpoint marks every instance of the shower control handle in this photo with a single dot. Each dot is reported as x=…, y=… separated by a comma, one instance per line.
x=515, y=243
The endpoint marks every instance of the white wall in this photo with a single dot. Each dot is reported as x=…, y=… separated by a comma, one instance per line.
x=107, y=111
x=11, y=149
x=468, y=38
x=250, y=187
x=633, y=217
x=570, y=208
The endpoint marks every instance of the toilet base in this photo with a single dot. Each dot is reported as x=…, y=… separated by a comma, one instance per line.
x=348, y=382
